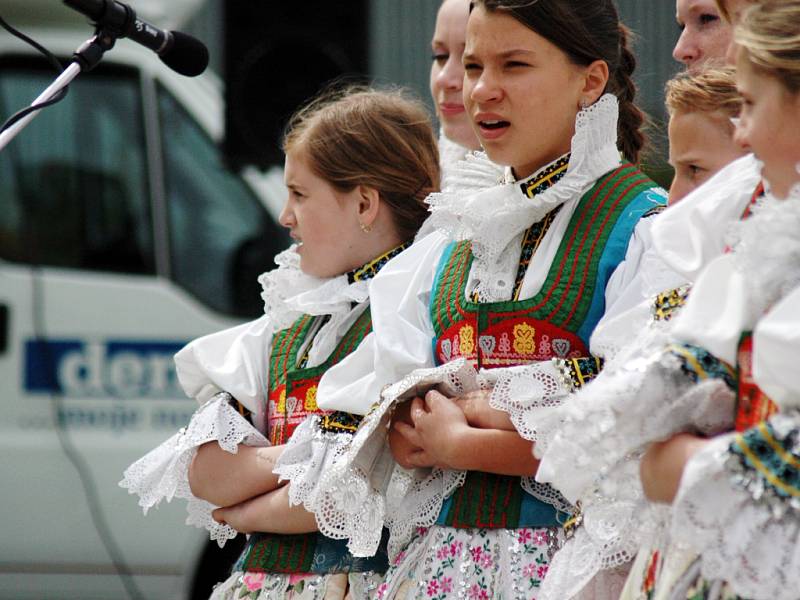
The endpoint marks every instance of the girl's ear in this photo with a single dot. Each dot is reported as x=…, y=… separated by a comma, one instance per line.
x=369, y=200
x=595, y=82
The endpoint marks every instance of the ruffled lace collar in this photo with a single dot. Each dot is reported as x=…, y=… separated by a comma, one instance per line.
x=766, y=249
x=288, y=293
x=480, y=201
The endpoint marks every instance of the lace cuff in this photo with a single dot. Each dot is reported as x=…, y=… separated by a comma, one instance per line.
x=610, y=529
x=316, y=445
x=163, y=473
x=646, y=399
x=350, y=501
x=529, y=392
x=738, y=507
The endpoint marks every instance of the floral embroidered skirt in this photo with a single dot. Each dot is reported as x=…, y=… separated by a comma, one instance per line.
x=267, y=586
x=443, y=562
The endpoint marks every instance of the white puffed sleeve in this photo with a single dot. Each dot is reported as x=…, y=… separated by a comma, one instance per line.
x=399, y=298
x=690, y=234
x=738, y=505
x=215, y=369
x=233, y=360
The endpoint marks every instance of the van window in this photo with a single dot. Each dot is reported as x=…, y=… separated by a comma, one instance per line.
x=74, y=182
x=221, y=235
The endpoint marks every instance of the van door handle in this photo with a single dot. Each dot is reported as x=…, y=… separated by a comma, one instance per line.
x=3, y=328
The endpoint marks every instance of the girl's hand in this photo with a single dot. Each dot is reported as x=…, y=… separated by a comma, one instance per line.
x=476, y=409
x=406, y=447
x=662, y=466
x=268, y=513
x=438, y=426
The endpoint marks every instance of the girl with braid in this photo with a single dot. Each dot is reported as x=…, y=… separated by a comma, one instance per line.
x=485, y=324
x=358, y=166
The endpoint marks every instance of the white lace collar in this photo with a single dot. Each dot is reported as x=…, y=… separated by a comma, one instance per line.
x=288, y=293
x=766, y=249
x=479, y=204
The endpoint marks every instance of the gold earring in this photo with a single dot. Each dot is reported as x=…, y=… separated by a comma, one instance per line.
x=365, y=228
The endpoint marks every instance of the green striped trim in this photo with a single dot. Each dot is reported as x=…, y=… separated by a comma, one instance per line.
x=288, y=343
x=274, y=553
x=564, y=299
x=487, y=501
x=285, y=346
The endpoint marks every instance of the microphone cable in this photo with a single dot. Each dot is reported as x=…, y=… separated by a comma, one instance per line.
x=51, y=59
x=69, y=449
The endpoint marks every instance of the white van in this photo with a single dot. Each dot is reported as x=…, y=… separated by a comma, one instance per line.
x=122, y=236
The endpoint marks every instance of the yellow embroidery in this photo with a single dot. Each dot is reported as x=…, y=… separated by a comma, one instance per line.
x=281, y=408
x=466, y=340
x=524, y=341
x=311, y=399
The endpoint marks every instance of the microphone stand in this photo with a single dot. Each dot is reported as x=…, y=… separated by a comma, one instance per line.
x=85, y=58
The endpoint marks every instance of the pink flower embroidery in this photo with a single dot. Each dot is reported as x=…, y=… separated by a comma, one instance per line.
x=540, y=537
x=455, y=548
x=524, y=536
x=542, y=571
x=398, y=559
x=447, y=584
x=477, y=553
x=529, y=570
x=382, y=590
x=254, y=581
x=476, y=593
x=443, y=553
x=433, y=587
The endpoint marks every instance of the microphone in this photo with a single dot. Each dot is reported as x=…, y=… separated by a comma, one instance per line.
x=179, y=51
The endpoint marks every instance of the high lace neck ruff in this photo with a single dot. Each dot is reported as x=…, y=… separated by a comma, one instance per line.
x=481, y=202
x=766, y=249
x=288, y=293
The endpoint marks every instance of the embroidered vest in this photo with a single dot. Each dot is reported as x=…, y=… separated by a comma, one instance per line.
x=558, y=321
x=293, y=398
x=292, y=387
x=555, y=323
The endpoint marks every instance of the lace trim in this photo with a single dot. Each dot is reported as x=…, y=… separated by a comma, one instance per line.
x=527, y=393
x=163, y=473
x=310, y=452
x=642, y=397
x=288, y=293
x=767, y=250
x=741, y=540
x=351, y=497
x=477, y=204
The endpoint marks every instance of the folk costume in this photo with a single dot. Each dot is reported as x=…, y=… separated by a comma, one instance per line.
x=269, y=370
x=662, y=381
x=504, y=295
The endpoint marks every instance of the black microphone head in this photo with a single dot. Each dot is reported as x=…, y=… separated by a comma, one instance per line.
x=185, y=55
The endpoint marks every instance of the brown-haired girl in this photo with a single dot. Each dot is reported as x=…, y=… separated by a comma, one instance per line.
x=537, y=240
x=358, y=164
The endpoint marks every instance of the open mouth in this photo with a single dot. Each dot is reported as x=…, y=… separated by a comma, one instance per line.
x=491, y=129
x=493, y=125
